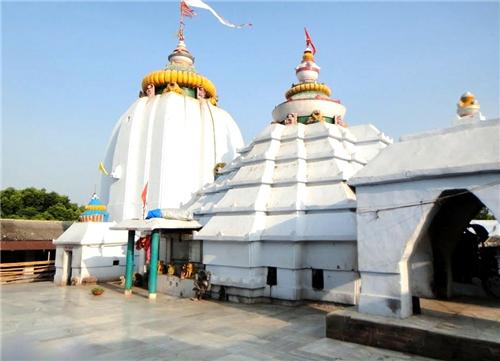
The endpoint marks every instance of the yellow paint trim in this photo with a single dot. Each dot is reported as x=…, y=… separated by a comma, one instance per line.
x=95, y=208
x=162, y=78
x=299, y=88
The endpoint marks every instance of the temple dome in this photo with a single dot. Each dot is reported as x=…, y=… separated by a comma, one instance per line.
x=170, y=139
x=95, y=211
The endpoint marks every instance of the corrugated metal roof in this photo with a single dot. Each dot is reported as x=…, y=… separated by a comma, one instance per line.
x=31, y=230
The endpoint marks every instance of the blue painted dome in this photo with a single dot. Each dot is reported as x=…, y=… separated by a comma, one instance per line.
x=95, y=211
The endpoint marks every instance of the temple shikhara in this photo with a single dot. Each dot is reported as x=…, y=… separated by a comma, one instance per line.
x=174, y=125
x=315, y=207
x=280, y=221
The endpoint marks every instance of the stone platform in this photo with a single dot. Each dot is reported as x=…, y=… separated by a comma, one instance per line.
x=44, y=322
x=448, y=330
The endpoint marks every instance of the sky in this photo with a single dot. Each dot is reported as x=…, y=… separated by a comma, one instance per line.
x=70, y=69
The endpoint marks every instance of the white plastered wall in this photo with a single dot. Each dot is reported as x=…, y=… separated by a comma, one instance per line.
x=284, y=203
x=94, y=248
x=393, y=257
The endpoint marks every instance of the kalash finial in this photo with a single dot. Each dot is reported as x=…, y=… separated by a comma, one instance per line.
x=181, y=57
x=179, y=75
x=468, y=107
x=308, y=70
x=307, y=73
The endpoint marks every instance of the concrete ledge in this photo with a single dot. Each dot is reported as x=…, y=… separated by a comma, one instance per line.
x=404, y=336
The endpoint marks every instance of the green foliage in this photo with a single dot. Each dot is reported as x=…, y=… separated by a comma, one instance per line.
x=32, y=203
x=97, y=291
x=484, y=214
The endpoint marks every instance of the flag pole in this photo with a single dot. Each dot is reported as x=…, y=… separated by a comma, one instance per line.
x=180, y=32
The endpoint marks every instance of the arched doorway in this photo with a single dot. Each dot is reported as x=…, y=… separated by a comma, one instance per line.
x=452, y=249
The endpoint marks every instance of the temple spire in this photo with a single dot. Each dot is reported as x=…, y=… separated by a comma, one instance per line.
x=185, y=11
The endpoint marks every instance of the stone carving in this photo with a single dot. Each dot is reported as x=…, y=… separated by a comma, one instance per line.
x=201, y=93
x=315, y=117
x=217, y=169
x=173, y=87
x=187, y=270
x=291, y=119
x=150, y=90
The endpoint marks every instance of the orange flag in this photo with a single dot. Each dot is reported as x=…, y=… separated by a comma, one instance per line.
x=144, y=194
x=309, y=42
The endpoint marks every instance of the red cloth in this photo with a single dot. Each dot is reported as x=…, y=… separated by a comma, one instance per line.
x=186, y=10
x=144, y=242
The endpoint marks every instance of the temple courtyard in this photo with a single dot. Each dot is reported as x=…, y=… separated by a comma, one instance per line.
x=43, y=322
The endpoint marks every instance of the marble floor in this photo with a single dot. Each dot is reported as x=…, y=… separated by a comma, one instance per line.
x=40, y=321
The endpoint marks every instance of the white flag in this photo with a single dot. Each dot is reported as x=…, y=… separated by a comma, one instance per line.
x=200, y=4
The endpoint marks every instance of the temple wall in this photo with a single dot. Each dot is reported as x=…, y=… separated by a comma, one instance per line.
x=393, y=254
x=94, y=248
x=284, y=205
x=91, y=261
x=243, y=268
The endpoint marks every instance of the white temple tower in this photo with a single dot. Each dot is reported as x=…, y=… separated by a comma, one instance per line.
x=170, y=138
x=280, y=222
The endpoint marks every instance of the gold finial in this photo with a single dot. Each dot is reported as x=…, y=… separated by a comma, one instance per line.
x=468, y=106
x=467, y=99
x=308, y=55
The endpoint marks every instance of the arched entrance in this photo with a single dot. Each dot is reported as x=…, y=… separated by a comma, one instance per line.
x=452, y=250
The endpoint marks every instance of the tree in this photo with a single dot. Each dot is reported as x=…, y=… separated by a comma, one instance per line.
x=484, y=214
x=32, y=203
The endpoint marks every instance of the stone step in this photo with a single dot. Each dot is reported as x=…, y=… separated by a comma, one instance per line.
x=456, y=338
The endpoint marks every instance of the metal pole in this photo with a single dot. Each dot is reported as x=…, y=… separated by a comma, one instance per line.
x=153, y=264
x=129, y=271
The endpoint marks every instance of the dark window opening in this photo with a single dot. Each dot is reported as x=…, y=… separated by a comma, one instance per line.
x=69, y=267
x=318, y=282
x=272, y=276
x=116, y=262
x=415, y=302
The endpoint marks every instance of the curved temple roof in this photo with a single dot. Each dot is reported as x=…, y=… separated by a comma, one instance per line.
x=287, y=183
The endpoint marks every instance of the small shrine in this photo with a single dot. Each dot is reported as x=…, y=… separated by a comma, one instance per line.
x=95, y=211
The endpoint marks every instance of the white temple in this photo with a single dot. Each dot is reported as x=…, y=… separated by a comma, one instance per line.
x=280, y=221
x=89, y=249
x=309, y=210
x=171, y=138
